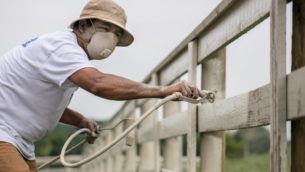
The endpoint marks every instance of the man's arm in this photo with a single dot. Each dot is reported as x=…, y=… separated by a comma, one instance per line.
x=118, y=88
x=76, y=119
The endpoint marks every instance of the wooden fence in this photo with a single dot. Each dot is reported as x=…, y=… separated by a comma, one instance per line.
x=281, y=100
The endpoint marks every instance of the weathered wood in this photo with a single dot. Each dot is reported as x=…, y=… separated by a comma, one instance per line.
x=257, y=8
x=296, y=94
x=174, y=125
x=169, y=127
x=130, y=158
x=122, y=113
x=278, y=140
x=243, y=111
x=172, y=147
x=298, y=60
x=147, y=149
x=212, y=144
x=250, y=109
x=234, y=22
x=192, y=121
x=118, y=157
x=109, y=162
x=174, y=69
x=128, y=108
x=156, y=150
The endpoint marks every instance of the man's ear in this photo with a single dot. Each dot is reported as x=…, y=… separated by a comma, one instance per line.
x=82, y=26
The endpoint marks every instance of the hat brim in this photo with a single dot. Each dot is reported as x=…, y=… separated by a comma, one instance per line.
x=125, y=40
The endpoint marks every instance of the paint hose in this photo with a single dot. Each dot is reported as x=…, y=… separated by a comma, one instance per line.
x=208, y=95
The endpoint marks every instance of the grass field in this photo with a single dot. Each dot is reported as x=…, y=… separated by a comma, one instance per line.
x=253, y=163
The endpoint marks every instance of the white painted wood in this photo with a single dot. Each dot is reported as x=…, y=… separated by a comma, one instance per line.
x=172, y=147
x=169, y=127
x=212, y=145
x=192, y=121
x=122, y=113
x=145, y=134
x=128, y=108
x=212, y=151
x=156, y=134
x=131, y=155
x=278, y=140
x=147, y=149
x=140, y=102
x=174, y=125
x=118, y=157
x=246, y=14
x=174, y=69
x=212, y=17
x=234, y=22
x=250, y=109
x=243, y=111
x=109, y=166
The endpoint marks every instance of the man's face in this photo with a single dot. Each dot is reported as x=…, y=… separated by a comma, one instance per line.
x=100, y=26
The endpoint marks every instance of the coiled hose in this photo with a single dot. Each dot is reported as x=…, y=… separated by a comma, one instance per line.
x=209, y=95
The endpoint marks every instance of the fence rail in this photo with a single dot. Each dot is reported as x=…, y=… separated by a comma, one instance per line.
x=205, y=46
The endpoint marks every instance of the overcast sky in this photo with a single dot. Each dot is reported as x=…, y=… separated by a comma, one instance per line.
x=158, y=26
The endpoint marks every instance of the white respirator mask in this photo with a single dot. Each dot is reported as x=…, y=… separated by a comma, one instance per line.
x=102, y=45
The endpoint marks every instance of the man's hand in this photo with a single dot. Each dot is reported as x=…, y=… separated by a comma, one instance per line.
x=184, y=88
x=86, y=123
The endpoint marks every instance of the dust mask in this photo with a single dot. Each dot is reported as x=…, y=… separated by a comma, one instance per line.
x=102, y=45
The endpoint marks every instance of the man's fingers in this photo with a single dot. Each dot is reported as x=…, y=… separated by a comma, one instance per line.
x=183, y=90
x=189, y=90
x=92, y=125
x=195, y=92
x=186, y=86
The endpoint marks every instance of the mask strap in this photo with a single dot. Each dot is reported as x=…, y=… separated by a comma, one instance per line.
x=86, y=43
x=92, y=25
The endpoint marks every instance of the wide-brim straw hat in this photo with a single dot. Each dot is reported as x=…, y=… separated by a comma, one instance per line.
x=108, y=11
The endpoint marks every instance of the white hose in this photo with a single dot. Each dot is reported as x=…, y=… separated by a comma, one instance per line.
x=210, y=96
x=116, y=140
x=122, y=135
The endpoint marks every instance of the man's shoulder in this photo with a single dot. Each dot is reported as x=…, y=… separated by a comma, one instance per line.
x=62, y=41
x=60, y=36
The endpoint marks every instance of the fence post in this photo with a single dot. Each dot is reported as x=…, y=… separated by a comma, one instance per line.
x=172, y=147
x=212, y=144
x=298, y=61
x=156, y=133
x=192, y=121
x=278, y=86
x=118, y=157
x=109, y=158
x=131, y=154
x=147, y=150
x=103, y=160
x=104, y=138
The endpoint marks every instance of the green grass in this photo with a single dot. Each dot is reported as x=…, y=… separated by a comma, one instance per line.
x=253, y=163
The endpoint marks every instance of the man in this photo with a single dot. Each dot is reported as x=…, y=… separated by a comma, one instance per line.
x=38, y=78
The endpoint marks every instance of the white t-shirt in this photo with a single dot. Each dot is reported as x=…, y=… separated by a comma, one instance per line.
x=35, y=89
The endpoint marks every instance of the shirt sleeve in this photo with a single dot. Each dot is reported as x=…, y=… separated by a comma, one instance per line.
x=61, y=64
